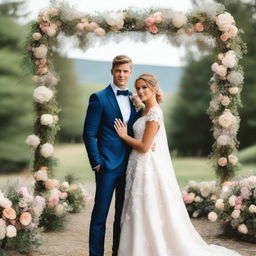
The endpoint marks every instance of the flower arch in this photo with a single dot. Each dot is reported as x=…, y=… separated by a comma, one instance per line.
x=225, y=84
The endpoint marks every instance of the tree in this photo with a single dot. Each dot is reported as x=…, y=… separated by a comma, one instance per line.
x=15, y=92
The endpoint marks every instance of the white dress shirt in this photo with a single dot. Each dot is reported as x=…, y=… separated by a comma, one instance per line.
x=123, y=102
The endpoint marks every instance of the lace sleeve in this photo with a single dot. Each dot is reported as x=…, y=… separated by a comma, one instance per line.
x=153, y=115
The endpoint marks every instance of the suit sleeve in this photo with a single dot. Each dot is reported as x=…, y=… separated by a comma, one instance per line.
x=91, y=129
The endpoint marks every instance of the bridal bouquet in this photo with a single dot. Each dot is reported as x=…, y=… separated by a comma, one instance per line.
x=20, y=212
x=236, y=207
x=199, y=198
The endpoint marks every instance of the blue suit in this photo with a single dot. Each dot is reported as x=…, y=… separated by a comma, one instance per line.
x=105, y=148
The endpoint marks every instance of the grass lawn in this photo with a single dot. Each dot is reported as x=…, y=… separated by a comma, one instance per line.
x=73, y=159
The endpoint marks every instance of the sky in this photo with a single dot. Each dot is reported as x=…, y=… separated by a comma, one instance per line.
x=155, y=52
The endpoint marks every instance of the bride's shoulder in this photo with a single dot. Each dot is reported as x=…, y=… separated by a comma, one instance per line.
x=154, y=114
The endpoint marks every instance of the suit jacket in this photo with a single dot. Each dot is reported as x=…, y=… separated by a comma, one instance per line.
x=103, y=145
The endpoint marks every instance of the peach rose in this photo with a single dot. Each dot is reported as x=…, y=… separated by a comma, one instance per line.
x=233, y=90
x=213, y=87
x=153, y=29
x=225, y=100
x=199, y=27
x=9, y=213
x=51, y=183
x=222, y=161
x=224, y=37
x=235, y=214
x=25, y=218
x=232, y=32
x=80, y=26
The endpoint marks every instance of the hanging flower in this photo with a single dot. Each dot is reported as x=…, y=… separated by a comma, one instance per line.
x=40, y=175
x=153, y=29
x=224, y=21
x=115, y=19
x=99, y=32
x=222, y=161
x=227, y=119
x=232, y=159
x=223, y=140
x=47, y=150
x=32, y=141
x=158, y=17
x=235, y=78
x=199, y=27
x=36, y=36
x=179, y=19
x=42, y=94
x=40, y=52
x=46, y=119
x=233, y=90
x=225, y=100
x=229, y=59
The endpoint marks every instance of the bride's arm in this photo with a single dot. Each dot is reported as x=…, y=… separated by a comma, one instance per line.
x=143, y=145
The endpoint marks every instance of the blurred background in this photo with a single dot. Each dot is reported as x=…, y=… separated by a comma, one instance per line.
x=183, y=73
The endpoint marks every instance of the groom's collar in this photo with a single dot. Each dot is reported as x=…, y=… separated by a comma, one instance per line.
x=115, y=88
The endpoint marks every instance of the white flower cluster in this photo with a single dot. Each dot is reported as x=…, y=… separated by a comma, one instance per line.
x=115, y=20
x=42, y=94
x=48, y=80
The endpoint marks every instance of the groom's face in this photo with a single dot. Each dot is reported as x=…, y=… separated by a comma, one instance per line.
x=121, y=74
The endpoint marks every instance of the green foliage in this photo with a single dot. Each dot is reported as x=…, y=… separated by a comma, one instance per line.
x=190, y=125
x=15, y=93
x=75, y=200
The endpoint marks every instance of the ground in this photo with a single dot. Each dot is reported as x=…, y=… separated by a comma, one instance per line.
x=73, y=241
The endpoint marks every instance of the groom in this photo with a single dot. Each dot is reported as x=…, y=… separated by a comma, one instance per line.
x=108, y=154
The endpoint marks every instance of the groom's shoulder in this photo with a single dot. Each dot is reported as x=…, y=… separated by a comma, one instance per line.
x=101, y=92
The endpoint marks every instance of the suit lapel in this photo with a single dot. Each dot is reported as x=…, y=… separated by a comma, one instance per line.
x=113, y=101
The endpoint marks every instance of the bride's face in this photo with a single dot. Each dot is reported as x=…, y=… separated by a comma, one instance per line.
x=144, y=91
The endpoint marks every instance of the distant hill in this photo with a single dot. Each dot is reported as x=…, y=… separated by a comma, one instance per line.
x=98, y=72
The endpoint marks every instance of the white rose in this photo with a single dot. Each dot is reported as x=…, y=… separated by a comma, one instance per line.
x=242, y=228
x=40, y=175
x=224, y=21
x=214, y=67
x=47, y=150
x=235, y=78
x=5, y=202
x=212, y=216
x=33, y=141
x=115, y=19
x=223, y=140
x=229, y=61
x=226, y=119
x=2, y=232
x=99, y=32
x=232, y=200
x=36, y=36
x=232, y=159
x=65, y=184
x=219, y=204
x=59, y=209
x=11, y=231
x=252, y=208
x=195, y=214
x=178, y=19
x=46, y=119
x=42, y=94
x=235, y=214
x=233, y=90
x=40, y=51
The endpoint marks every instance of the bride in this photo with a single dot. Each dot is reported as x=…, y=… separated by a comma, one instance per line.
x=154, y=219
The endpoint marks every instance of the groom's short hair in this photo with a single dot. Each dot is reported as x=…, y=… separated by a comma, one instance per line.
x=121, y=59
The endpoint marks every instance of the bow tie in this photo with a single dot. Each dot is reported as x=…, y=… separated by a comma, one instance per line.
x=124, y=92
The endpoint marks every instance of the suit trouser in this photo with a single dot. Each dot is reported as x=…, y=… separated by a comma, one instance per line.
x=106, y=183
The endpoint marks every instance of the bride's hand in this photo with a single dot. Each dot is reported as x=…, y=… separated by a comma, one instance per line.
x=121, y=128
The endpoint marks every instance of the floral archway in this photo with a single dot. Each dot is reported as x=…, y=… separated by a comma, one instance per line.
x=225, y=84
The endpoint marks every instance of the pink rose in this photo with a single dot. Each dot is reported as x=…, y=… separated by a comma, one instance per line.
x=53, y=201
x=252, y=179
x=225, y=100
x=213, y=87
x=239, y=200
x=199, y=27
x=224, y=37
x=63, y=195
x=42, y=70
x=153, y=29
x=222, y=161
x=44, y=26
x=150, y=21
x=24, y=192
x=238, y=207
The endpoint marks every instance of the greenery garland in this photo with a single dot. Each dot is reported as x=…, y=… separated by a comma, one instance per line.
x=213, y=23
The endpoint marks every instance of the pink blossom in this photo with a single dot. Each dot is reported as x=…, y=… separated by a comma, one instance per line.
x=153, y=29
x=225, y=100
x=239, y=200
x=150, y=21
x=199, y=27
x=24, y=192
x=251, y=179
x=224, y=37
x=222, y=161
x=44, y=26
x=238, y=207
x=63, y=195
x=53, y=201
x=232, y=32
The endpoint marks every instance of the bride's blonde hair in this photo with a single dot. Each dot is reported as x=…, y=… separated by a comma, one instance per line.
x=153, y=84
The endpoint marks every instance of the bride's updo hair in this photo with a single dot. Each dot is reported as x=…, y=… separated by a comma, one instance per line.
x=153, y=84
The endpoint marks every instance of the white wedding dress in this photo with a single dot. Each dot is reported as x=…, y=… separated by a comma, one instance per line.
x=154, y=219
